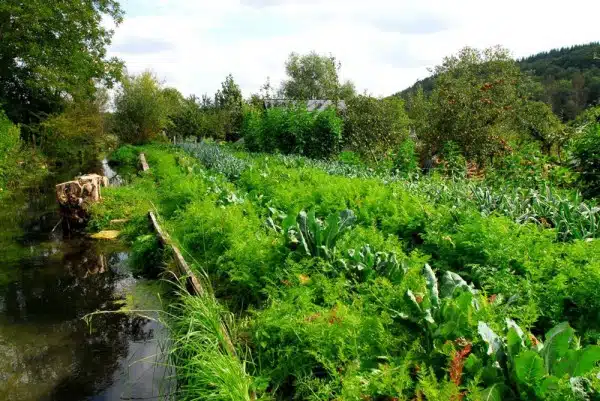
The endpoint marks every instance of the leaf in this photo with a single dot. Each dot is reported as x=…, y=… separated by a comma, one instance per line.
x=473, y=364
x=587, y=360
x=549, y=385
x=432, y=285
x=514, y=343
x=493, y=393
x=450, y=283
x=491, y=338
x=512, y=325
x=529, y=367
x=347, y=219
x=567, y=364
x=413, y=300
x=556, y=345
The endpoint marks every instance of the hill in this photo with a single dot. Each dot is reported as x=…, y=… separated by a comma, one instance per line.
x=568, y=78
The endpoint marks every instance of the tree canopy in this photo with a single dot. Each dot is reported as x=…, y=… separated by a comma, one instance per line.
x=53, y=50
x=314, y=76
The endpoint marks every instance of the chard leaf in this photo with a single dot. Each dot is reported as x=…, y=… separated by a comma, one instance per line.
x=491, y=338
x=587, y=360
x=549, y=385
x=529, y=367
x=514, y=343
x=556, y=345
x=432, y=285
x=493, y=393
x=450, y=283
x=512, y=325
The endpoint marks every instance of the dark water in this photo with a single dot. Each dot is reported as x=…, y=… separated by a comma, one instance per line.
x=49, y=281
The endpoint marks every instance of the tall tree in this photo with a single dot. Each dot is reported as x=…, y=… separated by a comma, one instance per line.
x=229, y=101
x=314, y=76
x=51, y=51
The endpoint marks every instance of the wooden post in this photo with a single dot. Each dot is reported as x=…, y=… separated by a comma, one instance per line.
x=144, y=163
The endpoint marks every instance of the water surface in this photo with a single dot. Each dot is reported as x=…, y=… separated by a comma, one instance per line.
x=51, y=280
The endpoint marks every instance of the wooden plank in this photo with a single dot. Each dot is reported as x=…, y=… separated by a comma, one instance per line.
x=144, y=163
x=185, y=271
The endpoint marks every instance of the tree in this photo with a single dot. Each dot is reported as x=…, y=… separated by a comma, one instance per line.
x=313, y=76
x=229, y=102
x=375, y=127
x=51, y=51
x=474, y=100
x=80, y=130
x=542, y=125
x=141, y=109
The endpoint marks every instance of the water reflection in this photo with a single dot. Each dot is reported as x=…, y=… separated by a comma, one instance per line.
x=48, y=283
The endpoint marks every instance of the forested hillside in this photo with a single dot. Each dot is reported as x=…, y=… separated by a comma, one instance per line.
x=568, y=78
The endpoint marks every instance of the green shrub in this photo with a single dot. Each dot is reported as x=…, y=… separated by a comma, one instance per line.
x=586, y=150
x=125, y=155
x=454, y=163
x=406, y=159
x=10, y=136
x=10, y=146
x=293, y=130
x=373, y=127
x=350, y=158
x=141, y=109
x=252, y=130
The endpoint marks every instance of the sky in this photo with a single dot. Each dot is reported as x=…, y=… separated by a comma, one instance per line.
x=383, y=45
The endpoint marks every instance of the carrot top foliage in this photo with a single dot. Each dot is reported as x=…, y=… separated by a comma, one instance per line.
x=342, y=284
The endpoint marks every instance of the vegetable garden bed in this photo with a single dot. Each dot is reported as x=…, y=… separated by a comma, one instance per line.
x=336, y=287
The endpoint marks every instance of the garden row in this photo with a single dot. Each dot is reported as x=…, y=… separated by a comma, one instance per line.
x=340, y=287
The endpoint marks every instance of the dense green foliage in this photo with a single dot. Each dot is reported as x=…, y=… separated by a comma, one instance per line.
x=52, y=50
x=374, y=127
x=312, y=76
x=337, y=282
x=80, y=132
x=473, y=103
x=586, y=150
x=293, y=130
x=568, y=79
x=18, y=165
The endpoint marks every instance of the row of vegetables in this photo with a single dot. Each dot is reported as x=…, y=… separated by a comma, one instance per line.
x=358, y=288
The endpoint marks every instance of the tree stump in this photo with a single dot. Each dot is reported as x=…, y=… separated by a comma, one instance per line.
x=75, y=197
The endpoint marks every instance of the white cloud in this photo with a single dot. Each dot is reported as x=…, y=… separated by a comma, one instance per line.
x=383, y=45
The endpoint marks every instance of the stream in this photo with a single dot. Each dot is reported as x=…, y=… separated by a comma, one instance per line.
x=50, y=280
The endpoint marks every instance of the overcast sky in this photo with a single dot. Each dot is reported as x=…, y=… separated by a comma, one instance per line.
x=383, y=45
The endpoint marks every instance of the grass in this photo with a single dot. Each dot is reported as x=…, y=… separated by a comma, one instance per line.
x=365, y=319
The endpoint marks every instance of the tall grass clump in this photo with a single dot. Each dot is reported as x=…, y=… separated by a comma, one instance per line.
x=205, y=367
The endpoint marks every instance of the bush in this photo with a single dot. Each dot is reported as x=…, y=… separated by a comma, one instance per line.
x=373, y=127
x=293, y=130
x=78, y=132
x=10, y=144
x=406, y=160
x=326, y=136
x=10, y=137
x=586, y=150
x=252, y=129
x=141, y=109
x=126, y=155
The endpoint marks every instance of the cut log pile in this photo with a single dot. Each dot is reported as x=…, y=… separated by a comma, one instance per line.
x=75, y=197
